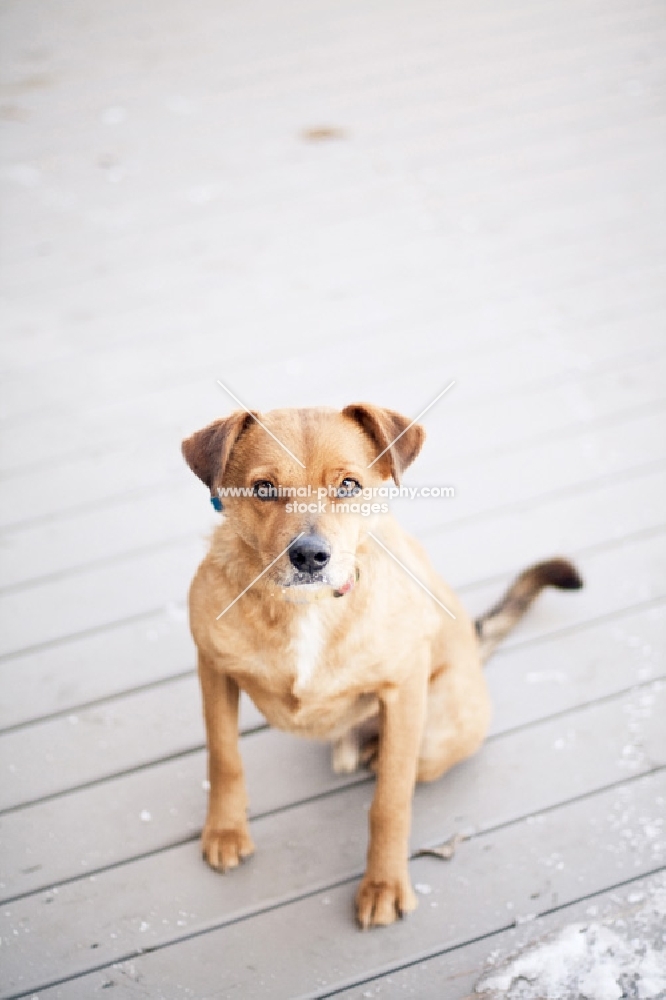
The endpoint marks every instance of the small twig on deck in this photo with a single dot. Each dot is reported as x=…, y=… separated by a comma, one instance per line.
x=444, y=851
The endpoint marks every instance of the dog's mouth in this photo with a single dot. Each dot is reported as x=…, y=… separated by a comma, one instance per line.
x=298, y=579
x=305, y=588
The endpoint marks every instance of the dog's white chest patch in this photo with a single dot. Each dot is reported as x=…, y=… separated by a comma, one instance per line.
x=308, y=644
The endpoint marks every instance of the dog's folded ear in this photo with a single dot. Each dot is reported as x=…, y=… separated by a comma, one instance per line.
x=397, y=439
x=207, y=451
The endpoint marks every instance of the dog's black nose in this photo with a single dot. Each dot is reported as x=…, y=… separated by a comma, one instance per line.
x=310, y=553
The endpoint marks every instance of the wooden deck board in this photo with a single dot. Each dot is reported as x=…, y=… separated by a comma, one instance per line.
x=455, y=973
x=144, y=522
x=49, y=438
x=121, y=470
x=567, y=854
x=321, y=844
x=492, y=213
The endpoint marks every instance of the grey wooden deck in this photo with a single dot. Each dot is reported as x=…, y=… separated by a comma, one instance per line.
x=490, y=208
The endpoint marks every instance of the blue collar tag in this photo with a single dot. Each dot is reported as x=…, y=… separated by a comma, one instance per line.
x=217, y=504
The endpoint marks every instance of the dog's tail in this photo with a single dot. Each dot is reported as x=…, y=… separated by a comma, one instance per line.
x=498, y=622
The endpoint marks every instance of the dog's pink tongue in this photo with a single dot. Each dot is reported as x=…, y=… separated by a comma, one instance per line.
x=346, y=587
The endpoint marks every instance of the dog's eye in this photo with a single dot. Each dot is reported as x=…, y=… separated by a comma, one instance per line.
x=349, y=487
x=265, y=490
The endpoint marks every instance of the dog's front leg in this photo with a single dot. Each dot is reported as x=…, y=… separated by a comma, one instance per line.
x=385, y=891
x=226, y=837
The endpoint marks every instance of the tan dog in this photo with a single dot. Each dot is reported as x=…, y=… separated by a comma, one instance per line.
x=334, y=638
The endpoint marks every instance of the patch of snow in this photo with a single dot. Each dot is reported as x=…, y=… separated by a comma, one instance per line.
x=609, y=960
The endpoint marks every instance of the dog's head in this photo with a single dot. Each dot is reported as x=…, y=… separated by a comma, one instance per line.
x=305, y=484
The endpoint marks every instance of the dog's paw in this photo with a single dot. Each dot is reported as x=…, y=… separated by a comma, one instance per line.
x=379, y=903
x=346, y=754
x=225, y=849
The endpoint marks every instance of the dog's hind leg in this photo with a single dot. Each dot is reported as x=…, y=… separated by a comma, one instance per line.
x=458, y=715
